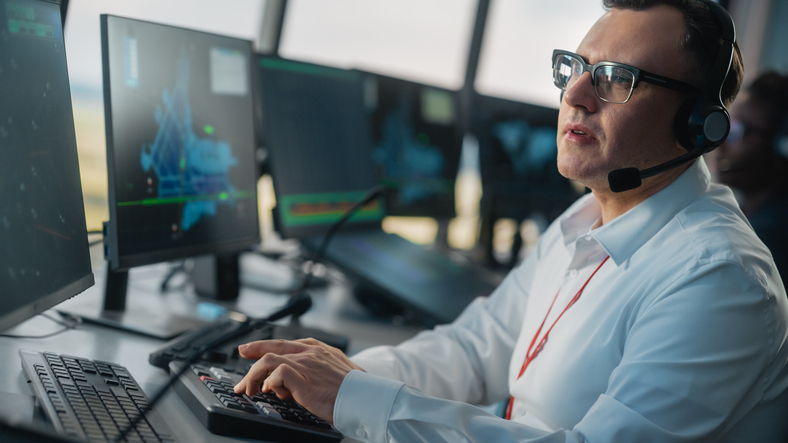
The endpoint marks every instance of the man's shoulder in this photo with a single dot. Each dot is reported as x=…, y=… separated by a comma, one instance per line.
x=713, y=230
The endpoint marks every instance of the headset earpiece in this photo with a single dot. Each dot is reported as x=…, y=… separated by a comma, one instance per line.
x=682, y=122
x=702, y=123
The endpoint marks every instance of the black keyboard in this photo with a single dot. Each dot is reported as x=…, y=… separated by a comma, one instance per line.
x=185, y=345
x=208, y=392
x=91, y=400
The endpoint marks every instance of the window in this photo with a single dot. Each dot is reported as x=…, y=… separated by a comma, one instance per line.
x=519, y=40
x=419, y=40
x=237, y=18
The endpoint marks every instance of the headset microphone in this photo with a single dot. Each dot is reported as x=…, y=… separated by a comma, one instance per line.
x=630, y=178
x=702, y=123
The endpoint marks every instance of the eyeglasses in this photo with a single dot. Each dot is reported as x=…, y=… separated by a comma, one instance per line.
x=740, y=130
x=613, y=82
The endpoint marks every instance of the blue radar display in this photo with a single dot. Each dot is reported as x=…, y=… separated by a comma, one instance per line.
x=417, y=144
x=407, y=158
x=185, y=164
x=529, y=150
x=181, y=143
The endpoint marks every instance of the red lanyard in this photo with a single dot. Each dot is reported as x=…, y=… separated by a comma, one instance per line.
x=529, y=355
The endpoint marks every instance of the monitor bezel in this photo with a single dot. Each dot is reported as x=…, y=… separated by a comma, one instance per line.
x=51, y=300
x=73, y=288
x=121, y=262
x=306, y=231
x=509, y=197
x=434, y=207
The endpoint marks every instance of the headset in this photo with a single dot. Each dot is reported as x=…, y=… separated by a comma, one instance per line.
x=702, y=122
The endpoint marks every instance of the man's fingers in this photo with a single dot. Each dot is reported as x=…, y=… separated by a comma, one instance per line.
x=306, y=370
x=310, y=341
x=283, y=380
x=251, y=383
x=258, y=349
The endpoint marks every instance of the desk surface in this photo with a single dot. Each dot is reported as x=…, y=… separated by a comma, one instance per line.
x=334, y=310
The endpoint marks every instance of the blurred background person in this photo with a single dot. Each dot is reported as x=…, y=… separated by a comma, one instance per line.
x=754, y=161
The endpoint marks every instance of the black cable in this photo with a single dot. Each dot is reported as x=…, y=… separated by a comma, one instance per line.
x=164, y=287
x=298, y=274
x=295, y=306
x=299, y=303
x=75, y=321
x=317, y=257
x=95, y=242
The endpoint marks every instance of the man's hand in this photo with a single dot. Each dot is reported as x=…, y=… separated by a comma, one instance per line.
x=308, y=371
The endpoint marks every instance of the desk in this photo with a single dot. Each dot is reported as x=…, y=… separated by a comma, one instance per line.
x=334, y=310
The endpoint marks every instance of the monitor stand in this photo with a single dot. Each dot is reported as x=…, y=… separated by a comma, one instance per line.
x=145, y=312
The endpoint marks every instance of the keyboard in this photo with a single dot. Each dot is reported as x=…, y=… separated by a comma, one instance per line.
x=180, y=348
x=208, y=392
x=91, y=400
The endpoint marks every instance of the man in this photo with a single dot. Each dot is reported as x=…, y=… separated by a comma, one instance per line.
x=663, y=317
x=754, y=161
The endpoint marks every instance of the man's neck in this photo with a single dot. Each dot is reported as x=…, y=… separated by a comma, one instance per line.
x=615, y=204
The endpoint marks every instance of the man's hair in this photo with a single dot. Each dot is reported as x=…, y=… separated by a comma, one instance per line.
x=770, y=89
x=702, y=41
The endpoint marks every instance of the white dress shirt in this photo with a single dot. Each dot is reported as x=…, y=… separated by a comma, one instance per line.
x=680, y=336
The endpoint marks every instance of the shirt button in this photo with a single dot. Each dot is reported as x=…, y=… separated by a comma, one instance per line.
x=588, y=238
x=361, y=433
x=573, y=273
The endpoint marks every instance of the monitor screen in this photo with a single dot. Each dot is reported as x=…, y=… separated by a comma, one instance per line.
x=317, y=135
x=44, y=257
x=180, y=142
x=416, y=144
x=517, y=159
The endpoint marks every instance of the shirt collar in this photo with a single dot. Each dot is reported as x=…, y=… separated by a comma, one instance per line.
x=624, y=235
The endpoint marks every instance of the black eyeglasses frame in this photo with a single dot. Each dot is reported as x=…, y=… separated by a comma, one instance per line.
x=639, y=75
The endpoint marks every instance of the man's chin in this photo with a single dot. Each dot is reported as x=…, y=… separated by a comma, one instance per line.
x=589, y=179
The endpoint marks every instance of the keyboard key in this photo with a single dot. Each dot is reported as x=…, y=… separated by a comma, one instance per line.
x=265, y=414
x=84, y=404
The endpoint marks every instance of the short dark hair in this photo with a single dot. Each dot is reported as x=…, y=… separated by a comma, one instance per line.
x=702, y=40
x=770, y=89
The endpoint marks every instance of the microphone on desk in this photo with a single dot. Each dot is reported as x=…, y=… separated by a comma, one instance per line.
x=298, y=304
x=317, y=257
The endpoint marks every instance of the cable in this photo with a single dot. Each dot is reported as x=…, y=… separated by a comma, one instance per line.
x=164, y=287
x=295, y=306
x=76, y=321
x=95, y=242
x=317, y=257
x=299, y=303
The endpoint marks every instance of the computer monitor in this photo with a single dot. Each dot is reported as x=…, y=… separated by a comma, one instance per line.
x=417, y=144
x=316, y=129
x=44, y=257
x=317, y=133
x=517, y=162
x=180, y=153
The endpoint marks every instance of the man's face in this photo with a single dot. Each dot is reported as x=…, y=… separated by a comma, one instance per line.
x=596, y=137
x=746, y=160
